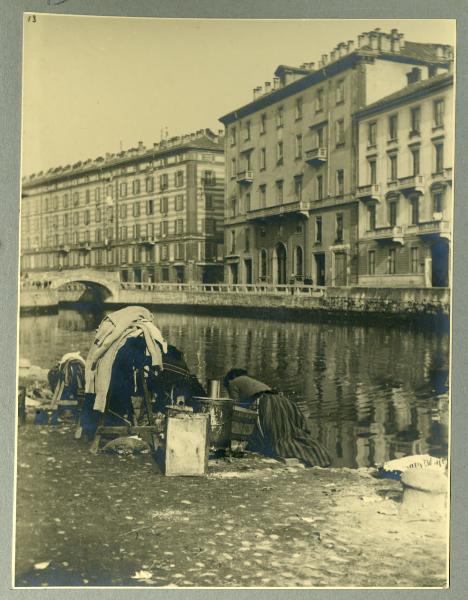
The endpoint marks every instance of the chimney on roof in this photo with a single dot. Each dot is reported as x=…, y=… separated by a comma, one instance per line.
x=363, y=39
x=324, y=59
x=341, y=49
x=141, y=147
x=332, y=56
x=350, y=47
x=439, y=52
x=311, y=66
x=276, y=83
x=220, y=132
x=385, y=42
x=374, y=40
x=402, y=40
x=267, y=86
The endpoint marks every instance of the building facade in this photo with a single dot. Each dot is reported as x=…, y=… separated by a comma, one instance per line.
x=151, y=214
x=291, y=207
x=405, y=164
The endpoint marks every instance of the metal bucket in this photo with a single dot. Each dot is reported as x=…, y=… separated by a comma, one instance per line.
x=214, y=388
x=220, y=411
x=243, y=423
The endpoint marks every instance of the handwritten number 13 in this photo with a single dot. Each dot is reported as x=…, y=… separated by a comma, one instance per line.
x=32, y=19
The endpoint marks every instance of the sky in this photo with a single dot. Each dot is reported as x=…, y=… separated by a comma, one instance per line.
x=93, y=85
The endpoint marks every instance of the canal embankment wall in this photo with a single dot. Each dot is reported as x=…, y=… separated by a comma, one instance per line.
x=406, y=303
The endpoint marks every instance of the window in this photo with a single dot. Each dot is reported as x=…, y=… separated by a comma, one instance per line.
x=97, y=194
x=164, y=228
x=232, y=136
x=180, y=226
x=65, y=200
x=234, y=206
x=247, y=240
x=262, y=195
x=320, y=136
x=123, y=233
x=280, y=117
x=150, y=207
x=136, y=209
x=340, y=182
x=318, y=230
x=319, y=185
x=136, y=187
x=298, y=111
x=319, y=100
x=391, y=261
x=179, y=202
x=263, y=119
x=415, y=118
x=163, y=182
x=339, y=91
x=233, y=168
x=373, y=171
x=247, y=202
x=263, y=264
x=262, y=158
x=123, y=211
x=298, y=147
x=298, y=188
x=210, y=226
x=164, y=252
x=339, y=132
x=65, y=220
x=87, y=217
x=164, y=205
x=247, y=131
x=371, y=262
x=98, y=235
x=371, y=216
x=298, y=262
x=76, y=219
x=208, y=202
x=279, y=153
x=393, y=159
x=123, y=190
x=339, y=227
x=209, y=178
x=233, y=242
x=438, y=112
x=87, y=198
x=180, y=251
x=178, y=178
x=415, y=159
x=279, y=192
x=149, y=184
x=439, y=157
x=438, y=201
x=414, y=204
x=136, y=231
x=414, y=260
x=393, y=127
x=248, y=161
x=372, y=134
x=392, y=213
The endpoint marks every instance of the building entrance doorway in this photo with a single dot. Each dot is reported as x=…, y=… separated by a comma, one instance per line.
x=180, y=274
x=280, y=251
x=319, y=268
x=341, y=276
x=440, y=264
x=248, y=271
x=234, y=273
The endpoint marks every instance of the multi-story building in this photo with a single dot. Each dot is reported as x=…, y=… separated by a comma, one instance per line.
x=405, y=161
x=152, y=214
x=291, y=208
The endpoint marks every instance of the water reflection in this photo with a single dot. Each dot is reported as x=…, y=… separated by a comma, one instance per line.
x=370, y=393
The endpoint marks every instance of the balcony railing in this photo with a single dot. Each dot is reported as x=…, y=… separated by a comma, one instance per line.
x=369, y=192
x=278, y=210
x=316, y=156
x=147, y=240
x=384, y=233
x=412, y=183
x=245, y=177
x=444, y=176
x=225, y=288
x=433, y=227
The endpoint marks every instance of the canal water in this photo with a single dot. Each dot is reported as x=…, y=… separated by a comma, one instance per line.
x=370, y=393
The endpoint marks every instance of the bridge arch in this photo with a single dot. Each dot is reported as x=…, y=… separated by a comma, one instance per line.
x=106, y=285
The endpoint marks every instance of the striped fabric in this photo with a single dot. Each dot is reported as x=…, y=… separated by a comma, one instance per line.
x=282, y=432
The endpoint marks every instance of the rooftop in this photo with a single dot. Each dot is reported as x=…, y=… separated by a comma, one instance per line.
x=203, y=139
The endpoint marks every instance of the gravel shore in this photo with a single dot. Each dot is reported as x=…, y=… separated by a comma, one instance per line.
x=110, y=520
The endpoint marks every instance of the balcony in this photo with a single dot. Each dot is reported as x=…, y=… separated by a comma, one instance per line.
x=84, y=246
x=436, y=227
x=64, y=248
x=297, y=207
x=369, y=192
x=317, y=156
x=444, y=176
x=385, y=234
x=147, y=240
x=245, y=177
x=413, y=183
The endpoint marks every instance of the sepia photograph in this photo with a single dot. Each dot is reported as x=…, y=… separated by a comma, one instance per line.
x=235, y=276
